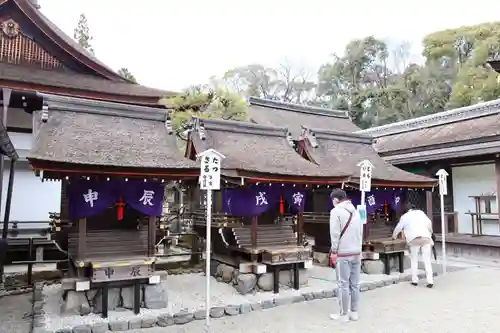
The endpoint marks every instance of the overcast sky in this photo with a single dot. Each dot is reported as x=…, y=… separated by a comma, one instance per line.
x=171, y=44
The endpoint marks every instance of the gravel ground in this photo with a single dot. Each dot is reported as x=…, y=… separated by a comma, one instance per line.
x=187, y=291
x=461, y=302
x=12, y=310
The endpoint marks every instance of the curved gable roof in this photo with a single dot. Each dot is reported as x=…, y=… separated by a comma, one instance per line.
x=102, y=79
x=275, y=113
x=80, y=131
x=65, y=42
x=341, y=152
x=252, y=148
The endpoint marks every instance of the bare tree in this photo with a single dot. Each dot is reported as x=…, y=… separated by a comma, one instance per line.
x=288, y=82
x=400, y=56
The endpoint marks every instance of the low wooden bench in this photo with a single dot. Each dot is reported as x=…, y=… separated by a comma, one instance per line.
x=276, y=268
x=277, y=247
x=279, y=257
x=379, y=240
x=387, y=249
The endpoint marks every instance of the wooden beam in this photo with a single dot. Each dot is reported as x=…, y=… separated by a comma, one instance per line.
x=497, y=178
x=428, y=201
x=8, y=201
x=67, y=169
x=254, y=231
x=151, y=236
x=6, y=94
x=300, y=228
x=72, y=92
x=82, y=239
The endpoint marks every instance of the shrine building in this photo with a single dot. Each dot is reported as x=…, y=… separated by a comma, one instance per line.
x=37, y=56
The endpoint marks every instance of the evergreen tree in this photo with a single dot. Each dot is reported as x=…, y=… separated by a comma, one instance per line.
x=82, y=34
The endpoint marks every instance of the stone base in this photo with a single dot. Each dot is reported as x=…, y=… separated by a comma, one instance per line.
x=369, y=266
x=322, y=259
x=185, y=316
x=377, y=266
x=248, y=283
x=153, y=296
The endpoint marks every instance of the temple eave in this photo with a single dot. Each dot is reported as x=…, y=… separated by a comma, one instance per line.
x=257, y=177
x=60, y=170
x=138, y=100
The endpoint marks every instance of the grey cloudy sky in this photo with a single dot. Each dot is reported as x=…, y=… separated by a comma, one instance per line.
x=172, y=44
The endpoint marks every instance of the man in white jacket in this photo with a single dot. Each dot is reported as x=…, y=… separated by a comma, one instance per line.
x=346, y=235
x=417, y=228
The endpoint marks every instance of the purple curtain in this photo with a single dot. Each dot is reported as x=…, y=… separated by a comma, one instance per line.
x=397, y=199
x=374, y=199
x=88, y=198
x=251, y=201
x=145, y=197
x=295, y=198
x=377, y=198
x=354, y=196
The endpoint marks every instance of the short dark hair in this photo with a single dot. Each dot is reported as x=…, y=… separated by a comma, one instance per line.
x=338, y=194
x=407, y=207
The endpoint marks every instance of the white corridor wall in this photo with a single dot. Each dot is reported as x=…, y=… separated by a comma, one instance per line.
x=32, y=200
x=473, y=181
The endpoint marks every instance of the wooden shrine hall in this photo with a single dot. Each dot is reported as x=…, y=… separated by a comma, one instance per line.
x=113, y=160
x=391, y=186
x=36, y=56
x=268, y=156
x=336, y=148
x=255, y=154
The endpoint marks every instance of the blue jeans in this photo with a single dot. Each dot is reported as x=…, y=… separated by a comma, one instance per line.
x=348, y=272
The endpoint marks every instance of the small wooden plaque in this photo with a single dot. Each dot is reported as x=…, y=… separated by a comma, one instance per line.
x=121, y=273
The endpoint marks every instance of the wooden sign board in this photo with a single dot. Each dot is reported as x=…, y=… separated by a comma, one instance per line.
x=286, y=256
x=121, y=273
x=210, y=169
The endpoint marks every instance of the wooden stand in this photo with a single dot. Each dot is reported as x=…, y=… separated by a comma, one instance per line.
x=105, y=257
x=276, y=268
x=483, y=212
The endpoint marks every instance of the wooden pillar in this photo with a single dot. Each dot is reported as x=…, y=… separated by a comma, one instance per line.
x=8, y=201
x=254, y=231
x=300, y=228
x=151, y=236
x=497, y=174
x=6, y=93
x=82, y=239
x=428, y=201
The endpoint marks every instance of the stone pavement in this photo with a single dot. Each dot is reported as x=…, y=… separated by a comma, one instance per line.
x=461, y=302
x=12, y=311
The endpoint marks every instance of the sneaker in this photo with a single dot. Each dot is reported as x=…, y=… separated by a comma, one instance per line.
x=354, y=316
x=339, y=318
x=414, y=284
x=430, y=285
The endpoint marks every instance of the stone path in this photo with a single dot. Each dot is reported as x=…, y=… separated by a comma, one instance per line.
x=12, y=310
x=461, y=302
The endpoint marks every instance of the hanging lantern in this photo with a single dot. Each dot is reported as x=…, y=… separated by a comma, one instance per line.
x=119, y=206
x=282, y=206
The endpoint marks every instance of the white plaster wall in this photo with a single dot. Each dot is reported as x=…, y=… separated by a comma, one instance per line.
x=32, y=200
x=469, y=181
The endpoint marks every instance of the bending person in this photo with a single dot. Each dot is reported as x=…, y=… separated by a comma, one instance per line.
x=417, y=228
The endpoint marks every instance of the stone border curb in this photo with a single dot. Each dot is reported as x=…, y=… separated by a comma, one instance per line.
x=185, y=316
x=22, y=289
